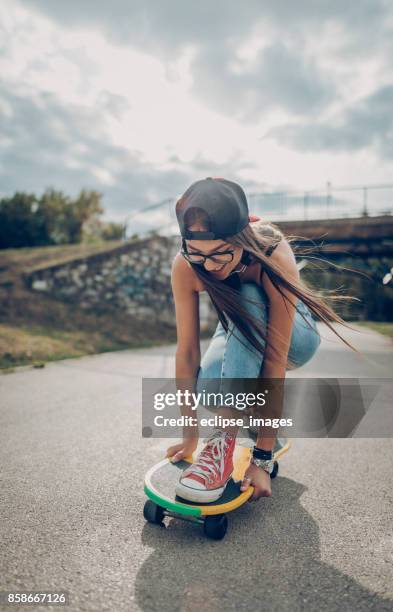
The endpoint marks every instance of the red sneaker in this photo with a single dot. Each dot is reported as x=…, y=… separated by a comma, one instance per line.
x=205, y=480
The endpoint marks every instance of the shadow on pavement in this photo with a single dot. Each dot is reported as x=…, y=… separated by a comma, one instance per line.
x=269, y=560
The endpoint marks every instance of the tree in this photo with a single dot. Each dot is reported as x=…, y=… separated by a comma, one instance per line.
x=112, y=231
x=65, y=217
x=52, y=208
x=54, y=218
x=86, y=208
x=20, y=223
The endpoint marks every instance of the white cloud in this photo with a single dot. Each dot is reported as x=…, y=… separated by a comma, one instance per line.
x=137, y=101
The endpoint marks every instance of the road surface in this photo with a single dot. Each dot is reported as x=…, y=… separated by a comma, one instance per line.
x=73, y=462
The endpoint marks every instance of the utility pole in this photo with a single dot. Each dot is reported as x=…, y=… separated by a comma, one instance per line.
x=328, y=198
x=365, y=211
x=305, y=205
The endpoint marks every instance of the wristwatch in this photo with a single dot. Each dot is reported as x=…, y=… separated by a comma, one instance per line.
x=263, y=459
x=265, y=464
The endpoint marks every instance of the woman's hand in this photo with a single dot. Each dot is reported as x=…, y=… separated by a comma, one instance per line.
x=183, y=449
x=258, y=478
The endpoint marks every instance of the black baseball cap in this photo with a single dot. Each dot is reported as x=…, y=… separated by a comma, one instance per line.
x=223, y=205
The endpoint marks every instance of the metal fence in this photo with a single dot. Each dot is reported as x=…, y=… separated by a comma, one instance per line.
x=331, y=202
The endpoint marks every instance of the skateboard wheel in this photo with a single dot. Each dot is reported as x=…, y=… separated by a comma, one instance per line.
x=215, y=526
x=275, y=470
x=153, y=513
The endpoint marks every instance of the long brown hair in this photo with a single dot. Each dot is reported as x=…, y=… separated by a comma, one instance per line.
x=225, y=294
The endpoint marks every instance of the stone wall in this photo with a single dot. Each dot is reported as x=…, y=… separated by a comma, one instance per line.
x=134, y=278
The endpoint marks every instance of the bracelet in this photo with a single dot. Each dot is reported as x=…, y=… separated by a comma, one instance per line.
x=265, y=464
x=259, y=453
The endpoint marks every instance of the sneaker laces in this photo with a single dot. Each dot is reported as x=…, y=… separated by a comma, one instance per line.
x=211, y=460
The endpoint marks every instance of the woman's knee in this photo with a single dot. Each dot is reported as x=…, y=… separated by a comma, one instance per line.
x=304, y=350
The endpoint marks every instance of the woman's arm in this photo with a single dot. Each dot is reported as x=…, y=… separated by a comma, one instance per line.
x=188, y=352
x=186, y=298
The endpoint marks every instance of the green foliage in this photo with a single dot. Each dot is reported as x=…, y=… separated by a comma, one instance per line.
x=55, y=218
x=20, y=225
x=112, y=231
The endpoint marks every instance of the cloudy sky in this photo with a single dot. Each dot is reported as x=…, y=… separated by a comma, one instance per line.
x=138, y=98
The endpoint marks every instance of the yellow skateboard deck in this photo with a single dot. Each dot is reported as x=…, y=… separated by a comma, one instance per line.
x=161, y=480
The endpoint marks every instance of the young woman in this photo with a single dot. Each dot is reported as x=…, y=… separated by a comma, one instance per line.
x=266, y=323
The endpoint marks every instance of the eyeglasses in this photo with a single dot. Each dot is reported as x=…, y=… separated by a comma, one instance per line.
x=222, y=257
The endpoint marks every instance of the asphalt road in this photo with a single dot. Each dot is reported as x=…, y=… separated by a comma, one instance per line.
x=72, y=469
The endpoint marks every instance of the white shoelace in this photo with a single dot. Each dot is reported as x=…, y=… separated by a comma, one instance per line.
x=211, y=459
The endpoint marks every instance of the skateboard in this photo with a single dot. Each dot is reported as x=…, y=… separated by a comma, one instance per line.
x=161, y=480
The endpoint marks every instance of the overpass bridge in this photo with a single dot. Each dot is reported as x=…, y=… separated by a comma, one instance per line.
x=360, y=237
x=135, y=276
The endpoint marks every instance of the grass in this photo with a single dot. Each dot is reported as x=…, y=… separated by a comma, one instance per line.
x=21, y=346
x=386, y=329
x=37, y=345
x=32, y=257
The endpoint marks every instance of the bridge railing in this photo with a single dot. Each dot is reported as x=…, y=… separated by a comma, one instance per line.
x=330, y=202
